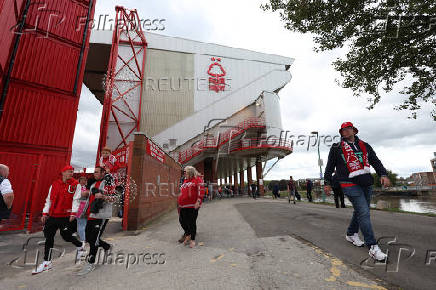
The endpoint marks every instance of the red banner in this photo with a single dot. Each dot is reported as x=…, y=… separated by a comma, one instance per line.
x=154, y=151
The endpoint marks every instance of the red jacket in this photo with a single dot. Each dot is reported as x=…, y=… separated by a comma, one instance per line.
x=191, y=191
x=63, y=198
x=111, y=161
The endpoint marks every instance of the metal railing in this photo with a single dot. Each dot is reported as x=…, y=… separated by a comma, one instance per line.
x=221, y=139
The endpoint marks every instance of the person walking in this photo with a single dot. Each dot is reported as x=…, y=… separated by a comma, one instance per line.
x=253, y=190
x=189, y=201
x=59, y=213
x=291, y=189
x=81, y=212
x=6, y=193
x=275, y=190
x=338, y=193
x=352, y=159
x=99, y=212
x=309, y=187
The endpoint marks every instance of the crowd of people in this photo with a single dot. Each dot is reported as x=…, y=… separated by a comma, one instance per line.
x=85, y=205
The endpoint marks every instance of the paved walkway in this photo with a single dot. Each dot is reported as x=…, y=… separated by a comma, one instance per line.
x=230, y=256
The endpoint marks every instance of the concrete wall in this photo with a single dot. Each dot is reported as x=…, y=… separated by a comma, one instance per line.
x=157, y=185
x=273, y=116
x=168, y=92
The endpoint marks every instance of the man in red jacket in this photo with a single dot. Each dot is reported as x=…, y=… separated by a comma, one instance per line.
x=59, y=212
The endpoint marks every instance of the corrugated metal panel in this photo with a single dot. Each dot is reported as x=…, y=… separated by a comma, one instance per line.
x=41, y=107
x=21, y=174
x=63, y=18
x=7, y=22
x=168, y=90
x=47, y=62
x=49, y=169
x=38, y=117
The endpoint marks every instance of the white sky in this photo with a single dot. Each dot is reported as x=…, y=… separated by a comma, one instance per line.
x=312, y=101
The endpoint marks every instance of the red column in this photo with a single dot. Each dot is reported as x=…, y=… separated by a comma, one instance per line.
x=235, y=177
x=241, y=181
x=259, y=177
x=249, y=179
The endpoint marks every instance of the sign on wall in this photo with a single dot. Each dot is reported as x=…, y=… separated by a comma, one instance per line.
x=154, y=151
x=216, y=73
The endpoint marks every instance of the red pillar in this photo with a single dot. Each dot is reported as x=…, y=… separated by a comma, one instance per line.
x=235, y=177
x=249, y=179
x=241, y=181
x=259, y=177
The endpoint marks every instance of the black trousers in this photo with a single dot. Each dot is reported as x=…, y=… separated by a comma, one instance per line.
x=66, y=229
x=93, y=232
x=338, y=194
x=188, y=221
x=309, y=195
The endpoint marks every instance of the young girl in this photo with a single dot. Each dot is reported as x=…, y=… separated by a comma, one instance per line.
x=108, y=160
x=81, y=213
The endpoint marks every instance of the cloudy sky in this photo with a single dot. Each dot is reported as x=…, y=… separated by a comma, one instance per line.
x=312, y=101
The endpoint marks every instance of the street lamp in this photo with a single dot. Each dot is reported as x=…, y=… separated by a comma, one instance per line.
x=320, y=167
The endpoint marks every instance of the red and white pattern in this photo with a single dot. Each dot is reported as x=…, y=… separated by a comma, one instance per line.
x=355, y=167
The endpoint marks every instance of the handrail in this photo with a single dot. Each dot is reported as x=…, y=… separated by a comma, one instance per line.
x=253, y=143
x=216, y=142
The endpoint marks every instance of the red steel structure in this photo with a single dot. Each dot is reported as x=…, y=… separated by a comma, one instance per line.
x=44, y=45
x=229, y=138
x=124, y=80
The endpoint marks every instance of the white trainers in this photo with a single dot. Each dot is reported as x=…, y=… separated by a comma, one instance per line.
x=355, y=240
x=376, y=253
x=86, y=269
x=44, y=266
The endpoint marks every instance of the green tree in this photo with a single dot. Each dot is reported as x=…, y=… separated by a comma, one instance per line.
x=393, y=177
x=390, y=42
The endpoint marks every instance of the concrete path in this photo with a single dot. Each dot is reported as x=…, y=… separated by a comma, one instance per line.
x=230, y=256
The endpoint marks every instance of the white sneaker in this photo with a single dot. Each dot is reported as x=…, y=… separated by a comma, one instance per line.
x=86, y=269
x=355, y=240
x=44, y=266
x=377, y=254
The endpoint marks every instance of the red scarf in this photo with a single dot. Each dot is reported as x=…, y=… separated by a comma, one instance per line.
x=355, y=167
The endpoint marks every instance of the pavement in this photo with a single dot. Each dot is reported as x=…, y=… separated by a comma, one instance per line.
x=408, y=239
x=232, y=253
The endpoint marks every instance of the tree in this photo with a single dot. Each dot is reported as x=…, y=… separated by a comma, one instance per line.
x=389, y=43
x=393, y=177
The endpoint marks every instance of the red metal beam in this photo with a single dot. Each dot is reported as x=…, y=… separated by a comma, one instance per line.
x=127, y=31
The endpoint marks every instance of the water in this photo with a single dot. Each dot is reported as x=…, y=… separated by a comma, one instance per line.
x=418, y=204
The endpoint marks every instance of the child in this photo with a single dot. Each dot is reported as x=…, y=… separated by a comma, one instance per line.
x=108, y=160
x=81, y=212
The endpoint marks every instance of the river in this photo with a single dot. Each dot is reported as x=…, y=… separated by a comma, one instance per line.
x=417, y=204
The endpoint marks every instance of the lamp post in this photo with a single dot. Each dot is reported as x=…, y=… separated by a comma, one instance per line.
x=320, y=167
